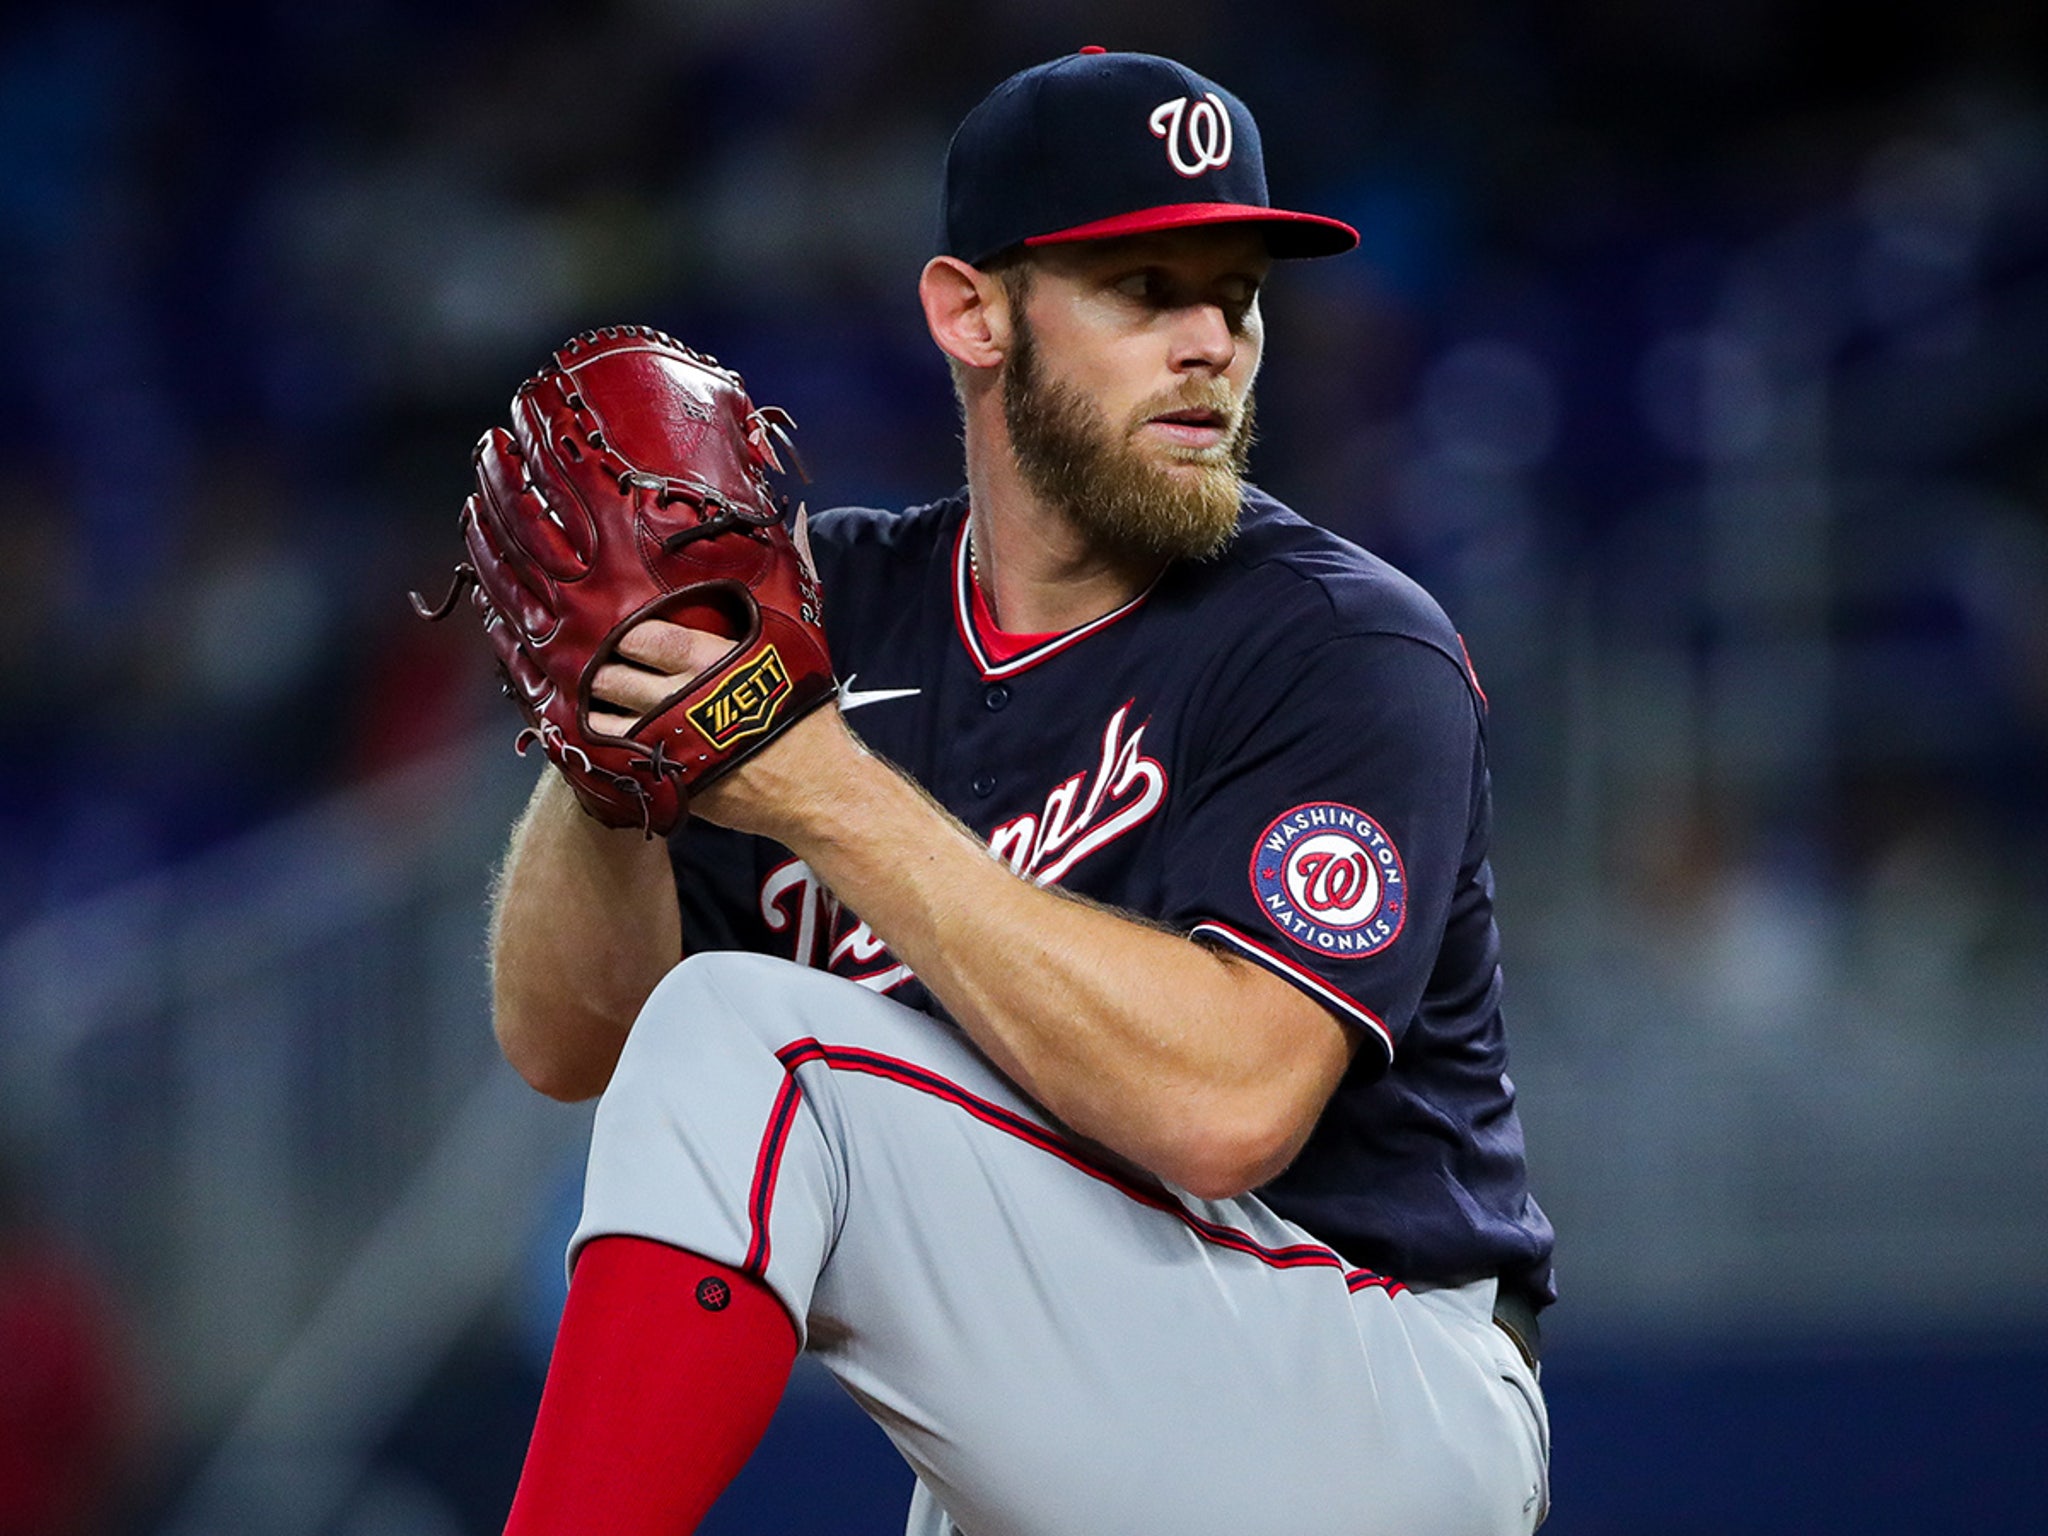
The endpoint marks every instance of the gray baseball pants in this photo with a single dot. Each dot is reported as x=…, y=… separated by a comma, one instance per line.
x=1057, y=1347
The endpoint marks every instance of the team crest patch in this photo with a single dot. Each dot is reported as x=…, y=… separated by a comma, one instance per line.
x=1331, y=879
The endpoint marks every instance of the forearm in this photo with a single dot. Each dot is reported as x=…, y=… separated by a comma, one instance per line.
x=1202, y=1068
x=584, y=924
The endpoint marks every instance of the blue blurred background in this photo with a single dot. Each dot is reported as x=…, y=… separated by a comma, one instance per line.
x=1694, y=359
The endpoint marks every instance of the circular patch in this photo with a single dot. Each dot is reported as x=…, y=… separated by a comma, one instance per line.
x=1329, y=877
x=713, y=1294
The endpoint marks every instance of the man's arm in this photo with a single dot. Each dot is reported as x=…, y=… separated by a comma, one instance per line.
x=584, y=924
x=1207, y=1070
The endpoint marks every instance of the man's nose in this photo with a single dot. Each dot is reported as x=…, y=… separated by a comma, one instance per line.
x=1203, y=338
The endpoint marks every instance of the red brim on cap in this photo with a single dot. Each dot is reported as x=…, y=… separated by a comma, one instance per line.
x=1287, y=234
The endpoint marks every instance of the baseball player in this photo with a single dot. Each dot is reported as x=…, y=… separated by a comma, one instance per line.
x=1090, y=1043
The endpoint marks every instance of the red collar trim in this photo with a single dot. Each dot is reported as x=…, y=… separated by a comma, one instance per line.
x=998, y=653
x=999, y=643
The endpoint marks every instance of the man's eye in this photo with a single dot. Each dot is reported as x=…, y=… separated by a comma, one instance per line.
x=1138, y=285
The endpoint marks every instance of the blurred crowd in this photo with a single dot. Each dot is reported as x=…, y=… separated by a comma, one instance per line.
x=74, y=1405
x=1690, y=359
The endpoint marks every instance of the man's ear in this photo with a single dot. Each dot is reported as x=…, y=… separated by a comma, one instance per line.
x=967, y=311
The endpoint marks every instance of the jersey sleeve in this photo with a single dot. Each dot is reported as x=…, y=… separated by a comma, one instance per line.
x=1330, y=831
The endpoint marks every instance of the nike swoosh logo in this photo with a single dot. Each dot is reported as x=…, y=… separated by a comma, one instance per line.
x=851, y=699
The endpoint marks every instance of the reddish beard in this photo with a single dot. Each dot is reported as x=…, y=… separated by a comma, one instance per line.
x=1075, y=461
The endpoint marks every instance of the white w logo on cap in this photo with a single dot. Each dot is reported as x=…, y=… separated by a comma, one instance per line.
x=1197, y=136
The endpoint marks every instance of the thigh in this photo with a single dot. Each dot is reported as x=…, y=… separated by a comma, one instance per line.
x=1056, y=1345
x=1059, y=1350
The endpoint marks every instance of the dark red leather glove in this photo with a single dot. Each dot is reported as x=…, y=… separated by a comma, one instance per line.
x=632, y=486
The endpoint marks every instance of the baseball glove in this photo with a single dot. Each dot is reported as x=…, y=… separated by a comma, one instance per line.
x=633, y=486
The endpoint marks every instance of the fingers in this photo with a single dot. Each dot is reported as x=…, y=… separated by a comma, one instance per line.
x=660, y=646
x=656, y=659
x=607, y=722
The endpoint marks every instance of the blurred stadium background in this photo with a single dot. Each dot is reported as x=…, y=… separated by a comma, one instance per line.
x=1694, y=360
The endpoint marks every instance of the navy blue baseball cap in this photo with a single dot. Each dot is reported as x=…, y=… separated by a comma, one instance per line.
x=1098, y=144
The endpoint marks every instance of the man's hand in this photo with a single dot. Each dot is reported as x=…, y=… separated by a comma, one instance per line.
x=654, y=659
x=771, y=791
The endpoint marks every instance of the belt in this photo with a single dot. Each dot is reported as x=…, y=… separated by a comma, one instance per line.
x=1515, y=1315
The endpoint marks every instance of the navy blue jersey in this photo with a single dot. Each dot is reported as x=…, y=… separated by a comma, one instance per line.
x=1280, y=752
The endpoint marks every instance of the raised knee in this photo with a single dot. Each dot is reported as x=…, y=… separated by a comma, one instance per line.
x=721, y=982
x=706, y=998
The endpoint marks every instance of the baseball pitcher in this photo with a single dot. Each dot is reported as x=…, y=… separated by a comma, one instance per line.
x=1036, y=949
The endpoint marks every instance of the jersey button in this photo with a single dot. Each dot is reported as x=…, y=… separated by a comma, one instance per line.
x=984, y=784
x=997, y=696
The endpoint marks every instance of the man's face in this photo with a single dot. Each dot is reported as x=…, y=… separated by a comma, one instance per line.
x=1128, y=388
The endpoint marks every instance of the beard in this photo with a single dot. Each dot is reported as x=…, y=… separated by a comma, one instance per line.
x=1077, y=462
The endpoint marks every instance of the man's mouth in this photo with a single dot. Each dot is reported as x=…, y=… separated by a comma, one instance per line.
x=1191, y=428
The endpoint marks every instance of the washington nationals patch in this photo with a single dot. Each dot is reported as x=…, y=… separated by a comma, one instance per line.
x=1330, y=878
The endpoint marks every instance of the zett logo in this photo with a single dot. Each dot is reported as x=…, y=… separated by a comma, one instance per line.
x=1197, y=136
x=745, y=703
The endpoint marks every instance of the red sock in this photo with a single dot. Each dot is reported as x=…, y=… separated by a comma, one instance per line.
x=666, y=1370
